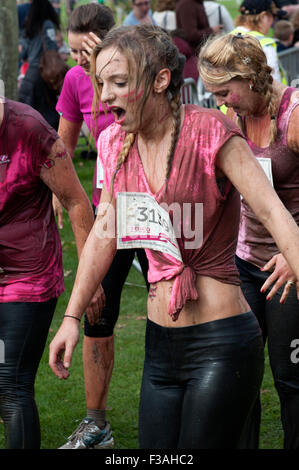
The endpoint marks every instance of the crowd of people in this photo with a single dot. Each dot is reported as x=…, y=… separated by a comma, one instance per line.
x=214, y=299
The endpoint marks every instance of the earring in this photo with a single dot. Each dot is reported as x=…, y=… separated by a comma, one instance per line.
x=250, y=86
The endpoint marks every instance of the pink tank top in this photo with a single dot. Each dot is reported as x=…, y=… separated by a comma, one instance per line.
x=255, y=244
x=192, y=180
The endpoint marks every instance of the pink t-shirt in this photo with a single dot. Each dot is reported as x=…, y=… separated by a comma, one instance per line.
x=192, y=180
x=30, y=248
x=75, y=105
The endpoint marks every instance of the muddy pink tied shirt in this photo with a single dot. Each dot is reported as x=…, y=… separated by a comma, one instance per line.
x=192, y=180
x=30, y=249
x=255, y=244
x=75, y=105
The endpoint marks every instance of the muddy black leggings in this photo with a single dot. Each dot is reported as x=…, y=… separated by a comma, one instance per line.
x=23, y=332
x=280, y=327
x=199, y=383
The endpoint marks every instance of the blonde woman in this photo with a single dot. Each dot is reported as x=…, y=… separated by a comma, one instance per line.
x=204, y=352
x=236, y=71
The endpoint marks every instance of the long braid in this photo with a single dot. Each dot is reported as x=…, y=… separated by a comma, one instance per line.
x=270, y=98
x=128, y=142
x=264, y=86
x=175, y=105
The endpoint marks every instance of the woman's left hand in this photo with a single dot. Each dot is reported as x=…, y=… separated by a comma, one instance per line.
x=282, y=274
x=96, y=305
x=62, y=347
x=90, y=41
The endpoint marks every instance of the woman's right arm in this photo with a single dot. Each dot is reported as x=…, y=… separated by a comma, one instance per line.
x=95, y=260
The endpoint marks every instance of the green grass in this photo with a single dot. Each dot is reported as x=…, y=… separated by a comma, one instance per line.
x=231, y=5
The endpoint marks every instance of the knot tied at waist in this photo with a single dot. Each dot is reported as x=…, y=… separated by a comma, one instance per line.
x=183, y=290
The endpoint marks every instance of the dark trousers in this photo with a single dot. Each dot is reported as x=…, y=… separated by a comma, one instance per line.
x=113, y=284
x=280, y=326
x=23, y=331
x=199, y=383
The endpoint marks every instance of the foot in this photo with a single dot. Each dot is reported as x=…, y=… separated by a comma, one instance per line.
x=89, y=436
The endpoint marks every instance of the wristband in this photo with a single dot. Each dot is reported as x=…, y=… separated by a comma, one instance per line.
x=72, y=316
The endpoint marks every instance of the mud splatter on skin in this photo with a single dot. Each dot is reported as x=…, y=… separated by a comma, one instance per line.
x=49, y=163
x=96, y=354
x=61, y=155
x=152, y=293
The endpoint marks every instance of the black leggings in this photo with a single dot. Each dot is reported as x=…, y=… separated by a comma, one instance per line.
x=113, y=284
x=199, y=383
x=23, y=330
x=280, y=326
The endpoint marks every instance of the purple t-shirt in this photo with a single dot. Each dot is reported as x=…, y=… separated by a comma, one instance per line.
x=255, y=244
x=75, y=105
x=30, y=248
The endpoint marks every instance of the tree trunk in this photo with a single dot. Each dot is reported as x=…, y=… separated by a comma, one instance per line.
x=9, y=29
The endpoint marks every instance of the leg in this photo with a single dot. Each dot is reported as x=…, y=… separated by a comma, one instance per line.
x=98, y=361
x=252, y=280
x=283, y=328
x=161, y=395
x=24, y=328
x=219, y=397
x=159, y=411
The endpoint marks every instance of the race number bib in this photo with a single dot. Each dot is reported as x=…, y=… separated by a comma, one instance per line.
x=100, y=174
x=143, y=223
x=266, y=165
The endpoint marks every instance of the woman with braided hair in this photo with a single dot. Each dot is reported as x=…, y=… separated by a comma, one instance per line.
x=236, y=71
x=170, y=172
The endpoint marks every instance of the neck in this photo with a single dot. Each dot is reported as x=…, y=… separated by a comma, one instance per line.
x=278, y=90
x=263, y=30
x=261, y=110
x=259, y=28
x=158, y=124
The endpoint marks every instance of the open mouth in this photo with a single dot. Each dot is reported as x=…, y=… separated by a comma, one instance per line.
x=118, y=113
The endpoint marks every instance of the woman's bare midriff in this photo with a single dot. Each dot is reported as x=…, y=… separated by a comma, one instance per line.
x=216, y=300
